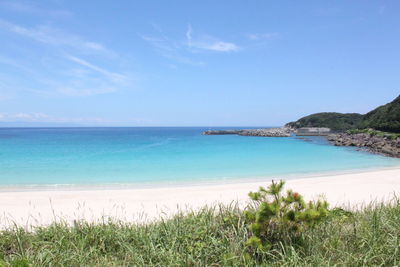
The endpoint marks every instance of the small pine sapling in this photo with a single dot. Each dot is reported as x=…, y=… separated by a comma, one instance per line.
x=277, y=218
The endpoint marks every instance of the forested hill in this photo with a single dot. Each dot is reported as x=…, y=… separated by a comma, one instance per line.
x=384, y=118
x=333, y=120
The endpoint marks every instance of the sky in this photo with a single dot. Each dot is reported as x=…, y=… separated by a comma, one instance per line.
x=194, y=63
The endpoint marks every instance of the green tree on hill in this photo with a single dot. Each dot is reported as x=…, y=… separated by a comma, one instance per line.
x=384, y=118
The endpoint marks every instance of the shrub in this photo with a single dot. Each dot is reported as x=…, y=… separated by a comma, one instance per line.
x=372, y=132
x=277, y=218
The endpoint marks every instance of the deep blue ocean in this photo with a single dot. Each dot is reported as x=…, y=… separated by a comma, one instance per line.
x=87, y=156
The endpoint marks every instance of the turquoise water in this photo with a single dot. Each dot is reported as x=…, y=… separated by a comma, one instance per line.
x=57, y=156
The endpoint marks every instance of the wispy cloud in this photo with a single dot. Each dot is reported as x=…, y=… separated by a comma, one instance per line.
x=32, y=8
x=23, y=116
x=115, y=77
x=215, y=45
x=45, y=118
x=207, y=42
x=40, y=117
x=184, y=50
x=81, y=79
x=51, y=36
x=90, y=80
x=82, y=91
x=162, y=43
x=171, y=49
x=74, y=76
x=189, y=32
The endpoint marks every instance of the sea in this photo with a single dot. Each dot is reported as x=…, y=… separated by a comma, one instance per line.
x=153, y=156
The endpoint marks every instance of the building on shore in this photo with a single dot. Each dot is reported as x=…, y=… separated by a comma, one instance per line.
x=313, y=131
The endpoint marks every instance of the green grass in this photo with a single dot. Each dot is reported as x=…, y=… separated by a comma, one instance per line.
x=210, y=237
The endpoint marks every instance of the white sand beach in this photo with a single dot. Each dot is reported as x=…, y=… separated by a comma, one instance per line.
x=140, y=205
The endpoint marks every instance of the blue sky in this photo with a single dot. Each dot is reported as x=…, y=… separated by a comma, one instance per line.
x=195, y=63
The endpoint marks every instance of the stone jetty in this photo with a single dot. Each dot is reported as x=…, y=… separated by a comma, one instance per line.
x=265, y=132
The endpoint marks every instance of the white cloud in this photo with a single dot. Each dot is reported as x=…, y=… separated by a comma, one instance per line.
x=206, y=42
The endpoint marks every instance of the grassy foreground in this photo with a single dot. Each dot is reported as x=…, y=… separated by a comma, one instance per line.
x=209, y=237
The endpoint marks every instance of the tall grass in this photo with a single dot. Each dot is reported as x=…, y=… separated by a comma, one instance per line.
x=213, y=236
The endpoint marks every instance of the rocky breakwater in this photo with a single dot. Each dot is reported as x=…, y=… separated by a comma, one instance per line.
x=267, y=132
x=387, y=145
x=221, y=132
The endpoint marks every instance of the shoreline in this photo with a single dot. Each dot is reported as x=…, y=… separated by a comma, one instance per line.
x=184, y=183
x=34, y=208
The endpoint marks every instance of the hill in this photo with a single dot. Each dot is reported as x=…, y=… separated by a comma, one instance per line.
x=384, y=118
x=333, y=120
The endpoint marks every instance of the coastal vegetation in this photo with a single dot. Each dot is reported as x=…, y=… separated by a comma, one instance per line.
x=218, y=236
x=333, y=120
x=278, y=218
x=384, y=118
x=372, y=132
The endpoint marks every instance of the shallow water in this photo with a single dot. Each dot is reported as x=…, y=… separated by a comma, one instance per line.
x=86, y=156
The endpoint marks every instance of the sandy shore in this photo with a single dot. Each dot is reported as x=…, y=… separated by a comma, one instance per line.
x=141, y=205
